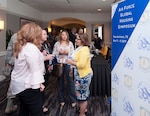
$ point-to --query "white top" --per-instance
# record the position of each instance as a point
(28, 69)
(72, 55)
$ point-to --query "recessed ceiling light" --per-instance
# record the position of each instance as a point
(103, 0)
(99, 9)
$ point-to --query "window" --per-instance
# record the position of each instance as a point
(98, 29)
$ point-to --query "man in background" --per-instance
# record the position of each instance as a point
(9, 60)
(80, 31)
(97, 42)
(72, 35)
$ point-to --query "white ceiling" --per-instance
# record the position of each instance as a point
(69, 6)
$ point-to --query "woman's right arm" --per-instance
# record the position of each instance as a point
(49, 57)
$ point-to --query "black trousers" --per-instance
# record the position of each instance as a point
(31, 103)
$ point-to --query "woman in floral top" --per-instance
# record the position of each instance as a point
(62, 49)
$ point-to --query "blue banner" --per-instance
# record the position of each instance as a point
(124, 20)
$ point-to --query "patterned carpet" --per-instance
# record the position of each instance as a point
(97, 106)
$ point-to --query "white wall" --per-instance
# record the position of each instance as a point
(87, 17)
(3, 4)
(107, 33)
(17, 7)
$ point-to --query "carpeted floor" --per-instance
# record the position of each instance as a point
(97, 106)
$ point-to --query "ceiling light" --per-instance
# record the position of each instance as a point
(103, 0)
(99, 9)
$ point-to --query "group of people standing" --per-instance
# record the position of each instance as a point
(32, 64)
(100, 45)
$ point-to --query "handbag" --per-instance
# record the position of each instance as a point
(6, 70)
(57, 70)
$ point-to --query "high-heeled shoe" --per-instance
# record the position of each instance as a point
(45, 110)
(11, 109)
(62, 103)
(74, 104)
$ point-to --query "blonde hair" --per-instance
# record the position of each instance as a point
(29, 32)
(60, 40)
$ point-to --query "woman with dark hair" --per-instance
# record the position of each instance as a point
(27, 75)
(81, 61)
(46, 50)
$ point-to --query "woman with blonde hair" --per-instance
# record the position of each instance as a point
(62, 49)
(27, 75)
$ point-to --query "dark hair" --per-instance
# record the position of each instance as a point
(102, 42)
(84, 39)
(46, 29)
(96, 35)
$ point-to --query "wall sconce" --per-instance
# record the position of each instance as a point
(49, 29)
(84, 30)
(1, 25)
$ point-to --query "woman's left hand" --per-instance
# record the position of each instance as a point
(71, 72)
(69, 61)
(44, 52)
(66, 52)
(42, 87)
